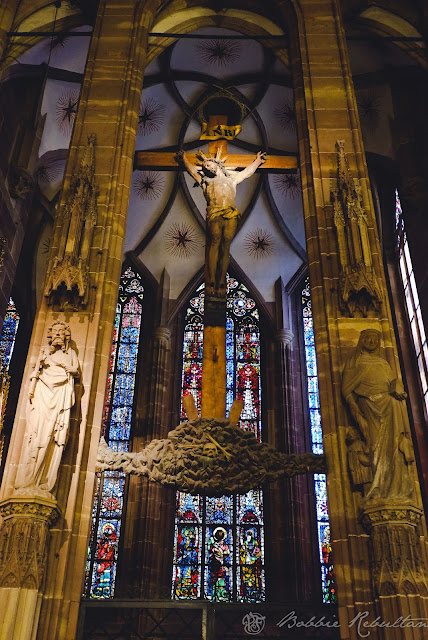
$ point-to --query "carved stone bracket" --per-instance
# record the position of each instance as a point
(68, 275)
(210, 457)
(395, 550)
(23, 540)
(21, 183)
(359, 287)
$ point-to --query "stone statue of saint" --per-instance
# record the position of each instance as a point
(219, 186)
(379, 449)
(51, 398)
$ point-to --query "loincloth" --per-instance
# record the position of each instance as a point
(227, 213)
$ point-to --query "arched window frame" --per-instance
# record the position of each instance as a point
(7, 344)
(240, 517)
(324, 551)
(411, 297)
(108, 508)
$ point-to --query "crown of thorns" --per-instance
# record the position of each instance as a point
(218, 159)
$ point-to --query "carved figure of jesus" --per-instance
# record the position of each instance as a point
(218, 184)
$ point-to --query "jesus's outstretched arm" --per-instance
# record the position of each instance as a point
(190, 168)
(240, 176)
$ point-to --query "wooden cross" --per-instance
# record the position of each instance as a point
(166, 161)
(214, 351)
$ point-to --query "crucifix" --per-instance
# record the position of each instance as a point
(217, 175)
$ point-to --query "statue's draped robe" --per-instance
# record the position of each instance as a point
(48, 419)
(368, 379)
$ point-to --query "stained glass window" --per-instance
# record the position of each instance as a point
(8, 335)
(108, 505)
(7, 343)
(219, 542)
(323, 522)
(412, 299)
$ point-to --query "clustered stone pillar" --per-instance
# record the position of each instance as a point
(82, 294)
(159, 500)
(23, 553)
(283, 492)
(146, 553)
(159, 382)
(349, 296)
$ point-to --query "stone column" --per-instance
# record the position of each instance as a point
(23, 553)
(283, 340)
(281, 494)
(146, 563)
(326, 112)
(156, 575)
(158, 401)
(107, 120)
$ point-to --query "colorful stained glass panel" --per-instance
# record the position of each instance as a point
(186, 562)
(250, 573)
(8, 335)
(219, 510)
(109, 496)
(320, 480)
(218, 564)
(104, 566)
(219, 574)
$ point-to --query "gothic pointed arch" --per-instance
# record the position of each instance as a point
(219, 542)
(109, 508)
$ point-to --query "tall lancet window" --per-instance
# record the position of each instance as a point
(219, 542)
(320, 480)
(412, 299)
(7, 343)
(108, 505)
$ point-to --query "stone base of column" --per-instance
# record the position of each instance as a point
(23, 553)
(399, 579)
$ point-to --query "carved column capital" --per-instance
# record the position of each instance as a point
(23, 540)
(390, 514)
(30, 506)
(284, 337)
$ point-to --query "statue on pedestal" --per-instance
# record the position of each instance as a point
(379, 449)
(219, 186)
(51, 397)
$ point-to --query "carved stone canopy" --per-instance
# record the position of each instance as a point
(209, 457)
(67, 282)
(360, 292)
(21, 183)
